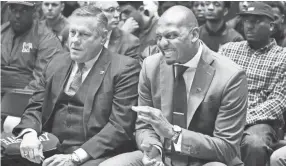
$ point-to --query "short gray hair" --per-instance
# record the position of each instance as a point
(92, 11)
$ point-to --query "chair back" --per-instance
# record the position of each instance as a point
(14, 102)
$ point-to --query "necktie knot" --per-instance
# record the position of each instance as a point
(80, 67)
(180, 70)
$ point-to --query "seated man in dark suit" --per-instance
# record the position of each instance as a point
(118, 40)
(87, 102)
(192, 101)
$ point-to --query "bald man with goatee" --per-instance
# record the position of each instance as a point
(192, 101)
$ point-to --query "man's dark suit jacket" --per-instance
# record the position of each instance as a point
(216, 110)
(124, 43)
(107, 116)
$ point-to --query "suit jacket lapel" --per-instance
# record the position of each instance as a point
(115, 40)
(57, 86)
(201, 82)
(97, 74)
(60, 78)
(166, 86)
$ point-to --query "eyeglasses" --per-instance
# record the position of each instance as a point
(112, 10)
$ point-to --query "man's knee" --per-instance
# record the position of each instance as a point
(254, 143)
(125, 159)
(214, 164)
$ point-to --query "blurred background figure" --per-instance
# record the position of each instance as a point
(118, 41)
(279, 14)
(151, 8)
(198, 7)
(236, 23)
(138, 23)
(70, 6)
(53, 17)
(26, 47)
(215, 32)
(83, 3)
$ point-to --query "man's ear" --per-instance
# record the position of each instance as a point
(104, 37)
(195, 34)
(63, 6)
(272, 26)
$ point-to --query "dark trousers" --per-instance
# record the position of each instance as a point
(256, 144)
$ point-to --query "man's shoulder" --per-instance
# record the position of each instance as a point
(233, 33)
(224, 64)
(119, 60)
(235, 46)
(5, 26)
(128, 37)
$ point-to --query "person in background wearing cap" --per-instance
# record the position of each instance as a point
(236, 22)
(26, 47)
(54, 19)
(214, 32)
(265, 65)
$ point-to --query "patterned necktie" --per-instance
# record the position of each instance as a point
(179, 110)
(76, 82)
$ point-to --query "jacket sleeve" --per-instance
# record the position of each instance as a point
(145, 132)
(121, 123)
(32, 117)
(224, 145)
(133, 51)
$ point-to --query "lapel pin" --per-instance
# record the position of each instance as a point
(199, 89)
(101, 72)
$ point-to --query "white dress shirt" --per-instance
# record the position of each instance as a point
(107, 39)
(86, 69)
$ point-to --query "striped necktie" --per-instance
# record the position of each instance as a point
(77, 80)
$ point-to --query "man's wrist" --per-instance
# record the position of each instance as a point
(75, 159)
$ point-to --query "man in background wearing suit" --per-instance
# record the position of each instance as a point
(192, 101)
(118, 40)
(87, 102)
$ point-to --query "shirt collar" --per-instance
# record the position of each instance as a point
(88, 65)
(271, 44)
(193, 63)
(219, 32)
(107, 39)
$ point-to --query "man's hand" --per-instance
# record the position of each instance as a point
(130, 25)
(152, 156)
(31, 148)
(59, 160)
(155, 118)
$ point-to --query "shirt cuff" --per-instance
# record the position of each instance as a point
(25, 131)
(159, 148)
(82, 155)
(178, 145)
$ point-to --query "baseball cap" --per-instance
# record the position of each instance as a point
(259, 9)
(26, 3)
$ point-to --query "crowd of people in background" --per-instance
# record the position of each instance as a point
(106, 69)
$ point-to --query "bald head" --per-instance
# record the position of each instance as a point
(180, 16)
